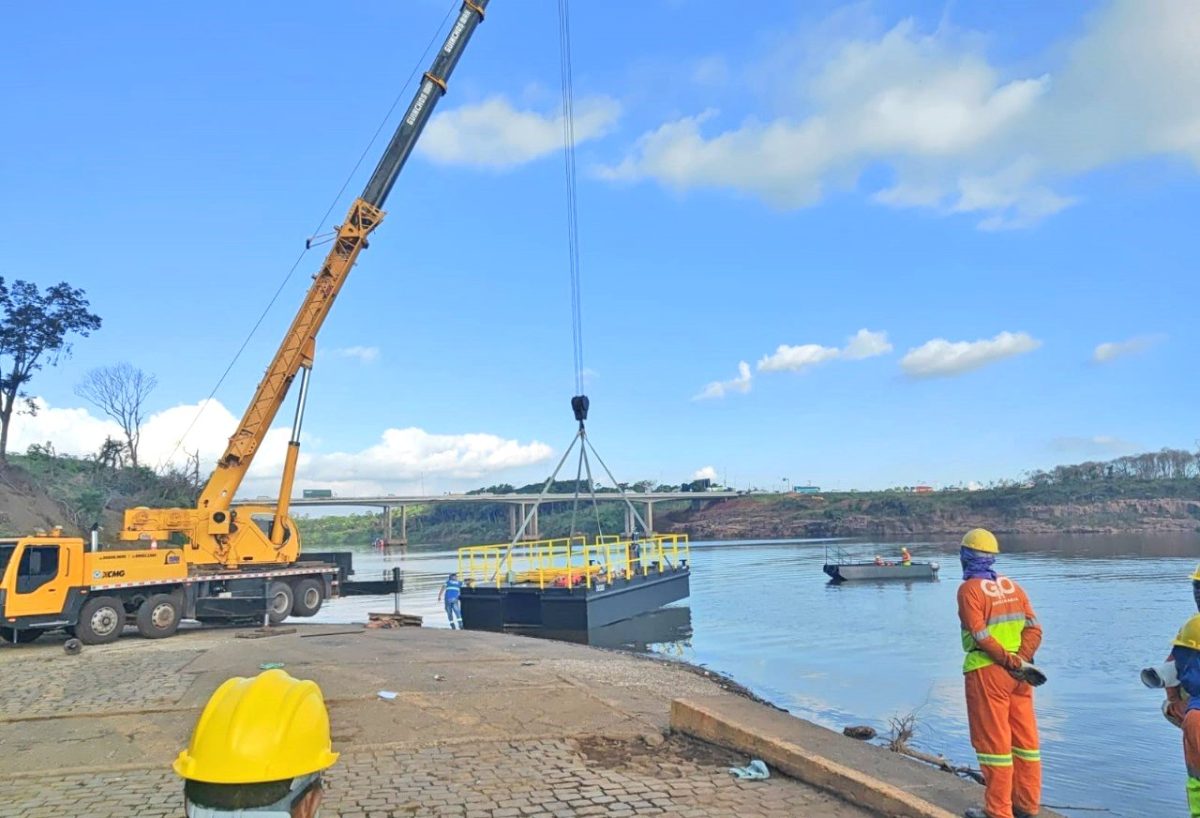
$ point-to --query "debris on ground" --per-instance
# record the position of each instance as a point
(903, 729)
(756, 770)
(394, 620)
(262, 633)
(388, 694)
(270, 665)
(862, 732)
(72, 647)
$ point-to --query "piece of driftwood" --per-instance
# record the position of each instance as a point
(903, 728)
(394, 620)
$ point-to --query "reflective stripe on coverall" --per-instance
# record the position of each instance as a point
(998, 620)
(1191, 756)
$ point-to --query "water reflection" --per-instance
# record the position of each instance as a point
(667, 631)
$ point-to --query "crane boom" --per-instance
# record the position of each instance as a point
(211, 527)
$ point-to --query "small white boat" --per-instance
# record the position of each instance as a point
(851, 571)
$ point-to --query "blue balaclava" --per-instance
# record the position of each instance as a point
(976, 564)
(1187, 667)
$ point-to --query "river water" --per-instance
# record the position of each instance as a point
(862, 653)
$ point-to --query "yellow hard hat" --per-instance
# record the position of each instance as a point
(980, 539)
(267, 728)
(1196, 574)
(1189, 634)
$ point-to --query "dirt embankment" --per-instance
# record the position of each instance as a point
(751, 518)
(24, 508)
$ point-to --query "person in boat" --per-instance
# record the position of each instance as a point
(1000, 635)
(905, 557)
(878, 560)
(450, 593)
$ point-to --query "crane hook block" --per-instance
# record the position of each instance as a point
(580, 404)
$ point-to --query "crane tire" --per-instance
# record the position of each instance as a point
(101, 621)
(20, 637)
(280, 600)
(158, 616)
(309, 594)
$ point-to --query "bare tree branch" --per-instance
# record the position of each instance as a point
(120, 392)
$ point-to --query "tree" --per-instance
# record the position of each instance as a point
(34, 327)
(120, 392)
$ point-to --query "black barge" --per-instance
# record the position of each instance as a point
(569, 584)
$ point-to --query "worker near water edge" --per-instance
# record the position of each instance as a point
(1178, 697)
(450, 594)
(1186, 654)
(259, 750)
(905, 557)
(1000, 635)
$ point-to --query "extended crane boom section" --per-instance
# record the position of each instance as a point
(212, 529)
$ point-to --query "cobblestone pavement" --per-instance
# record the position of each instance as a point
(482, 725)
(520, 779)
(47, 686)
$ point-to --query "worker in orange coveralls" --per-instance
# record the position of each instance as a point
(1186, 655)
(1000, 635)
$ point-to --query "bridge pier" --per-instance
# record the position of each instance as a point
(647, 518)
(515, 520)
(389, 538)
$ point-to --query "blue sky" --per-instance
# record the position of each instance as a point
(991, 193)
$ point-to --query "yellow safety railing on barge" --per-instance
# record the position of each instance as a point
(571, 561)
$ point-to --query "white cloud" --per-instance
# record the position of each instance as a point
(705, 473)
(1094, 446)
(401, 454)
(863, 344)
(364, 355)
(719, 389)
(1111, 350)
(959, 133)
(866, 344)
(942, 358)
(787, 358)
(494, 134)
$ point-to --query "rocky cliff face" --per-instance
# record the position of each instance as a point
(750, 518)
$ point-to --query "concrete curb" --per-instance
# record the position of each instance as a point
(705, 721)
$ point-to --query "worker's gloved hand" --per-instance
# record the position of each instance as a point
(1028, 674)
(1012, 662)
(1175, 710)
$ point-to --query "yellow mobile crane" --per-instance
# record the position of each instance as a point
(214, 561)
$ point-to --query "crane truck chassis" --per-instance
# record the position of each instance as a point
(49, 582)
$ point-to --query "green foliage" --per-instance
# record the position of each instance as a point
(89, 489)
(34, 328)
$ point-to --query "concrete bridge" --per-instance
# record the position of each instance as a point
(518, 506)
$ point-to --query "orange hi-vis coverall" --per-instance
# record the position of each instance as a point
(999, 629)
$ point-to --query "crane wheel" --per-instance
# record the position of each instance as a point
(158, 617)
(22, 637)
(101, 621)
(279, 602)
(309, 596)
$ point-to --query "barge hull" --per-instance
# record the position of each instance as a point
(571, 609)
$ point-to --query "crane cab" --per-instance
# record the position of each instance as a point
(41, 583)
